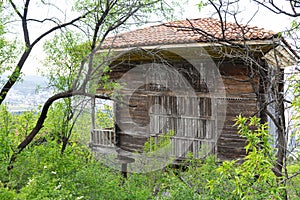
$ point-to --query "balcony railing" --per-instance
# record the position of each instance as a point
(103, 138)
(180, 145)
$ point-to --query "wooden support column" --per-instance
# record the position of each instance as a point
(124, 160)
(93, 112)
(93, 103)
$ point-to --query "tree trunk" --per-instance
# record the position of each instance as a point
(39, 125)
(65, 141)
(15, 75)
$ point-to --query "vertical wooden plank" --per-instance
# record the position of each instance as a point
(115, 137)
(208, 129)
(151, 124)
(97, 136)
(178, 105)
(187, 128)
(166, 125)
(184, 127)
(156, 124)
(194, 143)
(216, 137)
(110, 138)
(175, 105)
(150, 105)
(198, 107)
(209, 107)
(188, 106)
(191, 134)
(183, 148)
(93, 103)
(201, 107)
(159, 103)
(93, 119)
(205, 107)
(105, 137)
(101, 137)
(173, 147)
(160, 122)
(169, 123)
(178, 126)
(92, 137)
(103, 133)
(204, 128)
(195, 107)
(197, 128)
(95, 141)
(201, 129)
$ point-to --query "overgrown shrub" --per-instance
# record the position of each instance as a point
(42, 172)
(254, 178)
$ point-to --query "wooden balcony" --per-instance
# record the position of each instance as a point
(103, 138)
(181, 146)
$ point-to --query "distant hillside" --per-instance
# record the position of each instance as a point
(24, 94)
(29, 84)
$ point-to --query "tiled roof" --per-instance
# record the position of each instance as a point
(180, 32)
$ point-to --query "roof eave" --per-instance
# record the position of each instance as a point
(187, 45)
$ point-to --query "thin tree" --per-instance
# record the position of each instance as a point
(269, 74)
(97, 21)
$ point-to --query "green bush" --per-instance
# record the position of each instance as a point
(293, 184)
(254, 178)
(42, 172)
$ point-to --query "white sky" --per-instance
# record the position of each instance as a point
(263, 18)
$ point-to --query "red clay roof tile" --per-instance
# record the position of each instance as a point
(181, 32)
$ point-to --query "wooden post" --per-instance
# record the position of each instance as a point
(124, 160)
(93, 112)
(92, 117)
(124, 170)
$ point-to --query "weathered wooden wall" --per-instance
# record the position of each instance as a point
(240, 100)
(133, 127)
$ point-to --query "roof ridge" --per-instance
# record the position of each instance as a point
(218, 20)
(177, 32)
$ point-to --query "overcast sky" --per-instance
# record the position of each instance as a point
(263, 18)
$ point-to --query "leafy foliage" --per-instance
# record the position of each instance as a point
(65, 53)
(8, 47)
(105, 117)
(42, 172)
(158, 142)
(254, 178)
(293, 183)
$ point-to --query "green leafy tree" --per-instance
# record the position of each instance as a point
(105, 117)
(272, 108)
(97, 19)
(254, 178)
(65, 53)
(7, 46)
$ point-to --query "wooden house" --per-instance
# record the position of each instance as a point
(183, 83)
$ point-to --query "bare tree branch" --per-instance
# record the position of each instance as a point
(273, 7)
